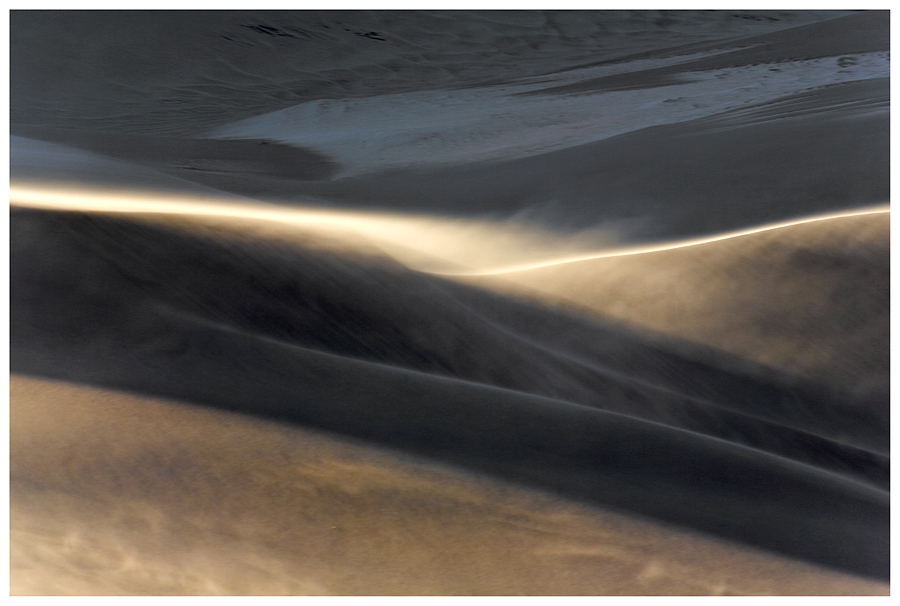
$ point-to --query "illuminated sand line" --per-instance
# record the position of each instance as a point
(405, 230)
(424, 243)
(640, 250)
(131, 202)
(400, 230)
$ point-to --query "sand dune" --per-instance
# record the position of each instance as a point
(645, 184)
(541, 302)
(811, 299)
(324, 340)
(213, 68)
(316, 514)
(34, 160)
(458, 127)
(441, 127)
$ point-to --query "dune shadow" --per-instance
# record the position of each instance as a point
(364, 347)
(195, 159)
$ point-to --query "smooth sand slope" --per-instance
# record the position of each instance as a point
(365, 347)
(737, 390)
(807, 134)
(211, 68)
(130, 495)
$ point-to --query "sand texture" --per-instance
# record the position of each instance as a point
(450, 302)
(138, 496)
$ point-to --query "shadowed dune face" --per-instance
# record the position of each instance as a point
(363, 346)
(815, 99)
(209, 68)
(128, 495)
(309, 288)
(310, 218)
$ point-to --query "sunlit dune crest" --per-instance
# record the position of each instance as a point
(439, 245)
(449, 302)
(639, 250)
(421, 242)
(811, 298)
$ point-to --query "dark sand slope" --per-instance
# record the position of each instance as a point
(180, 157)
(182, 72)
(330, 342)
(128, 495)
(863, 32)
(38, 161)
(737, 388)
(651, 183)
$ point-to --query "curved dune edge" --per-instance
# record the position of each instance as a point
(421, 242)
(289, 511)
(656, 248)
(776, 294)
(811, 296)
(440, 245)
(131, 335)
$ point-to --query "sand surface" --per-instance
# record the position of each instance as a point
(811, 299)
(371, 262)
(131, 495)
(210, 68)
(353, 342)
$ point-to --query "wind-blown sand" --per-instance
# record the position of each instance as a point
(129, 495)
(363, 346)
(297, 228)
(811, 299)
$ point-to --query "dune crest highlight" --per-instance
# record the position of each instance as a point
(431, 244)
(450, 302)
(652, 248)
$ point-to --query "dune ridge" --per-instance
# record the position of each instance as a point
(498, 302)
(811, 298)
(322, 356)
(431, 237)
(640, 250)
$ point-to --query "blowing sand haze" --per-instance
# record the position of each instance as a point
(449, 302)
